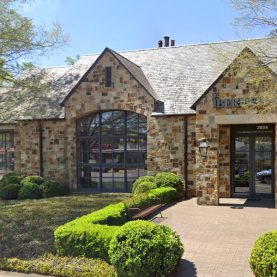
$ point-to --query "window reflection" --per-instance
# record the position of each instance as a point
(113, 144)
(6, 152)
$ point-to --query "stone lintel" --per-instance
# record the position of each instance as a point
(245, 119)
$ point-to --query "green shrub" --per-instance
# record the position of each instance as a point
(60, 266)
(11, 178)
(30, 191)
(9, 191)
(142, 179)
(167, 195)
(168, 179)
(35, 179)
(142, 248)
(263, 259)
(139, 201)
(53, 188)
(144, 187)
(90, 235)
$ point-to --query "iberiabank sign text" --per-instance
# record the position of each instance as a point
(232, 102)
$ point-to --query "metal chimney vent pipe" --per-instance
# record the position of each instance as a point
(166, 41)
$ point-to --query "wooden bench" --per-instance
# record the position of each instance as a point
(141, 213)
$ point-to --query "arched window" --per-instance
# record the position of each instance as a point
(111, 149)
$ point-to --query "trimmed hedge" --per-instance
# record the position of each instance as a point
(11, 178)
(142, 248)
(142, 179)
(167, 195)
(60, 266)
(53, 188)
(9, 191)
(168, 179)
(263, 259)
(13, 186)
(35, 179)
(89, 235)
(144, 187)
(30, 191)
(139, 201)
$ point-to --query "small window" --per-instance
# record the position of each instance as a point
(108, 76)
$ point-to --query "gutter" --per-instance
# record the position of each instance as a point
(41, 166)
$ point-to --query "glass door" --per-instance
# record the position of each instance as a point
(263, 166)
(241, 169)
(252, 164)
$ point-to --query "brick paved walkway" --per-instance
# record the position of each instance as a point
(218, 240)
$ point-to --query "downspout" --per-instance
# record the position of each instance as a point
(186, 155)
(40, 130)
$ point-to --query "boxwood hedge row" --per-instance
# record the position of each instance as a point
(90, 235)
(15, 186)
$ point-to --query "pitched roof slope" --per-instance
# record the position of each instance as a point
(137, 73)
(178, 76)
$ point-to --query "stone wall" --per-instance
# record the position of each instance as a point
(27, 148)
(165, 144)
(224, 151)
(213, 172)
(166, 147)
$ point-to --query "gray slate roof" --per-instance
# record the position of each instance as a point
(178, 76)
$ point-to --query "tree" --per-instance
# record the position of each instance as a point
(71, 61)
(256, 14)
(22, 40)
(253, 14)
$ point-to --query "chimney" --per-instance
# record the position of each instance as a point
(160, 43)
(172, 43)
(166, 41)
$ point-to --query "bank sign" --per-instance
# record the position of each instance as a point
(232, 102)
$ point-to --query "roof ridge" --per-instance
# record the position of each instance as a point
(184, 45)
(55, 66)
(123, 57)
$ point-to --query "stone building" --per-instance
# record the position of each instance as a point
(112, 117)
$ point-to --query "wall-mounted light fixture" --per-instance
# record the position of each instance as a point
(203, 148)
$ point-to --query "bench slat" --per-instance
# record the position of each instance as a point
(147, 211)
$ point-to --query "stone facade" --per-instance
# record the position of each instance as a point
(165, 136)
(165, 144)
(92, 95)
(172, 140)
(213, 172)
(27, 148)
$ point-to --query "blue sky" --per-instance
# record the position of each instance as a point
(134, 24)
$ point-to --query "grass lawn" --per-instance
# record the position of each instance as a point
(26, 226)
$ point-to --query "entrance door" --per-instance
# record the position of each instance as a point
(253, 160)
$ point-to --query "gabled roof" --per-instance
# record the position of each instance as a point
(242, 55)
(132, 68)
(178, 76)
(136, 72)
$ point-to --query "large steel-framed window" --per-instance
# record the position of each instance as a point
(112, 150)
(6, 152)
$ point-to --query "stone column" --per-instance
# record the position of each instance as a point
(207, 167)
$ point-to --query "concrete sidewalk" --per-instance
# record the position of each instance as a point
(218, 239)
